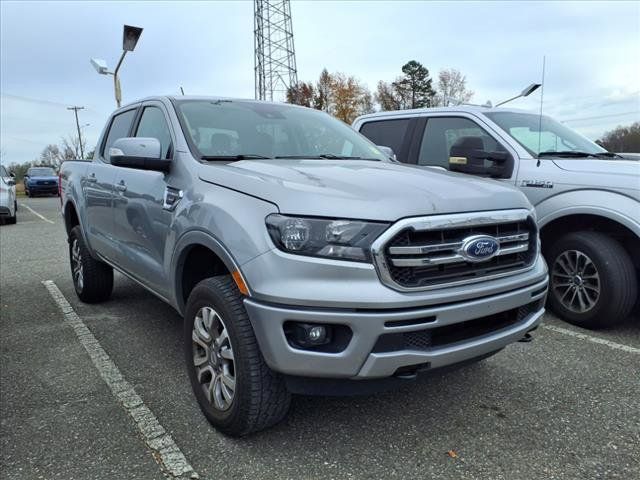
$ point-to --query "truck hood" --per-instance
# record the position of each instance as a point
(602, 173)
(361, 189)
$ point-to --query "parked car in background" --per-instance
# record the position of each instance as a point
(302, 259)
(587, 199)
(8, 203)
(40, 181)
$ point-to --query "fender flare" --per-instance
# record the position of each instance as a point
(183, 245)
(613, 206)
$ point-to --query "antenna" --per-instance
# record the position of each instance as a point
(182, 90)
(544, 58)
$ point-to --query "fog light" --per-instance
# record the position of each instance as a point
(307, 335)
(317, 334)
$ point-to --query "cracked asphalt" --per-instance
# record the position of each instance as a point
(560, 407)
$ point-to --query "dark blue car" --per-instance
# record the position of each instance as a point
(40, 180)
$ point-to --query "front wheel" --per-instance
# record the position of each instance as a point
(593, 282)
(92, 279)
(236, 390)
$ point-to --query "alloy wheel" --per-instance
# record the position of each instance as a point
(76, 265)
(213, 358)
(575, 281)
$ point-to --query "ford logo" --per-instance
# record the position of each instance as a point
(479, 248)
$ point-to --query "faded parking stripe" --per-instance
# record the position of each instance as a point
(601, 341)
(35, 213)
(163, 448)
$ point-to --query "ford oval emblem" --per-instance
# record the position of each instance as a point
(479, 248)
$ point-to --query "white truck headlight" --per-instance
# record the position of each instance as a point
(320, 237)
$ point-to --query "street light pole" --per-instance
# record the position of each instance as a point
(116, 80)
(75, 111)
(130, 37)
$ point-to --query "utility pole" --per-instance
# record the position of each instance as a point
(75, 110)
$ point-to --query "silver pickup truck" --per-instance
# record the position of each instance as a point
(587, 199)
(302, 259)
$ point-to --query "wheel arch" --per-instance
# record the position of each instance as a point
(601, 220)
(199, 255)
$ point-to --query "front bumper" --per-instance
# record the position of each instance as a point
(359, 360)
(35, 189)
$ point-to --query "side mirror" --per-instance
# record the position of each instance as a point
(141, 153)
(473, 162)
(11, 182)
(388, 151)
(11, 174)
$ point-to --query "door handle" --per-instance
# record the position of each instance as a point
(92, 178)
(121, 186)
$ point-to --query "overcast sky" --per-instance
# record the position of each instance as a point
(592, 50)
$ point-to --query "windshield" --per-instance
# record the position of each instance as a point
(221, 129)
(546, 136)
(41, 172)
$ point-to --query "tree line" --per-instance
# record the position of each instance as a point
(345, 97)
(53, 155)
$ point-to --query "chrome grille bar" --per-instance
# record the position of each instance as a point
(437, 247)
(456, 258)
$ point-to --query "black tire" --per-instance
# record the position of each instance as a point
(95, 282)
(260, 398)
(617, 281)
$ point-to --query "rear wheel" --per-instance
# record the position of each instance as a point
(593, 282)
(92, 279)
(235, 388)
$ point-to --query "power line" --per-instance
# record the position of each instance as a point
(602, 116)
(75, 111)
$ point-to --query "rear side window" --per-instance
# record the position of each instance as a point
(154, 125)
(387, 133)
(120, 126)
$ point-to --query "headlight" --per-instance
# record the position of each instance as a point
(341, 239)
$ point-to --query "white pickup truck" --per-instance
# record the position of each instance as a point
(587, 199)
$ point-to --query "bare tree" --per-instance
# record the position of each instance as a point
(301, 94)
(387, 97)
(51, 156)
(71, 148)
(350, 98)
(452, 87)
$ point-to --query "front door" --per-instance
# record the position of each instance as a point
(99, 193)
(141, 220)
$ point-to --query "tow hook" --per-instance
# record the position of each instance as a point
(527, 338)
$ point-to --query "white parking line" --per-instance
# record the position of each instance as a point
(35, 213)
(163, 448)
(601, 341)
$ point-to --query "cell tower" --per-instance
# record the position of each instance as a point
(275, 55)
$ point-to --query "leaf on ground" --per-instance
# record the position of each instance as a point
(452, 454)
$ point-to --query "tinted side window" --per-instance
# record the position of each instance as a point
(3, 171)
(449, 138)
(387, 133)
(120, 126)
(153, 124)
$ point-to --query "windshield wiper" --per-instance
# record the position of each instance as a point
(245, 156)
(568, 153)
(327, 156)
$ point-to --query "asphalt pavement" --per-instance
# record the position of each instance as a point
(565, 406)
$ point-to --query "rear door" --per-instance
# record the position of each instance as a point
(98, 189)
(141, 219)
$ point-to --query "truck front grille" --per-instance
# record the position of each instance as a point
(428, 252)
